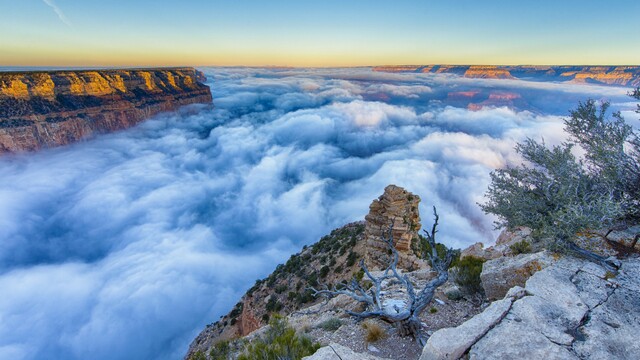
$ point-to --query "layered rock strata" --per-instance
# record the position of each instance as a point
(396, 209)
(43, 109)
(603, 75)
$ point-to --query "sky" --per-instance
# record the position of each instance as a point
(126, 245)
(317, 33)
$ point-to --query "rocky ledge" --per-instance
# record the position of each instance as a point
(42, 109)
(533, 304)
(572, 309)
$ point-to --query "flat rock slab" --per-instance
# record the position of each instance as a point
(452, 343)
(335, 351)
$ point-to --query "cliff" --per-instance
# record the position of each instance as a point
(537, 302)
(602, 75)
(44, 109)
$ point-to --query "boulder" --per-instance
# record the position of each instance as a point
(501, 274)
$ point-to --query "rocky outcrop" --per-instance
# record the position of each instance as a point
(503, 244)
(603, 75)
(572, 309)
(398, 208)
(50, 108)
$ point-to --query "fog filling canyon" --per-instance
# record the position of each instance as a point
(127, 245)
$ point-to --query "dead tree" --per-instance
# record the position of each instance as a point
(406, 318)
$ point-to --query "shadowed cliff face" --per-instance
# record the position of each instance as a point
(46, 109)
(603, 75)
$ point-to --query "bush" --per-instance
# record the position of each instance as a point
(351, 258)
(332, 324)
(558, 195)
(279, 342)
(220, 351)
(273, 305)
(521, 247)
(433, 310)
(467, 274)
(324, 271)
(373, 331)
(198, 356)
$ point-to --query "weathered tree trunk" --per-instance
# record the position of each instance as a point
(590, 256)
(412, 327)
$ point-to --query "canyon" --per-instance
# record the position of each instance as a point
(43, 109)
(601, 75)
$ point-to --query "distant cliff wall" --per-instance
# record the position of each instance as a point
(603, 75)
(51, 108)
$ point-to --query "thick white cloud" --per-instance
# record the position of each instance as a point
(125, 246)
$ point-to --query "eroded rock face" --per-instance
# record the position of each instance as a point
(51, 108)
(397, 207)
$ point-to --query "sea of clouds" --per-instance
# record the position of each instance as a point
(125, 246)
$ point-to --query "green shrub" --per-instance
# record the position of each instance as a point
(332, 324)
(273, 305)
(198, 356)
(467, 274)
(351, 258)
(324, 271)
(279, 342)
(433, 310)
(220, 351)
(521, 247)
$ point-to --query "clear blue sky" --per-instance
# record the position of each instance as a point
(318, 32)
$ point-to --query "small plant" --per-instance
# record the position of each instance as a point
(198, 356)
(433, 310)
(467, 274)
(351, 258)
(324, 271)
(273, 305)
(373, 331)
(609, 275)
(280, 341)
(220, 351)
(521, 247)
(332, 324)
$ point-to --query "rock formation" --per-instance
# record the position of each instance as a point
(603, 75)
(50, 108)
(501, 274)
(399, 208)
(572, 309)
